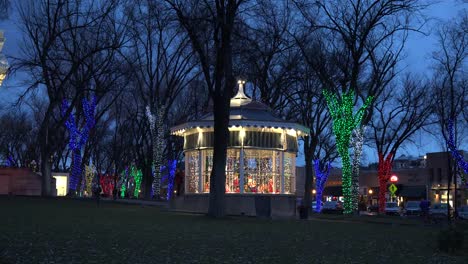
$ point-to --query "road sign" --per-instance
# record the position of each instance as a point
(392, 189)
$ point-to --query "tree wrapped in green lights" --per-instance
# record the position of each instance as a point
(344, 122)
(136, 175)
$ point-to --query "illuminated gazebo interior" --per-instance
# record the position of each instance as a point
(261, 155)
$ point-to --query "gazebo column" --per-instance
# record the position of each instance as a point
(241, 170)
(200, 170)
(274, 172)
(282, 171)
(186, 176)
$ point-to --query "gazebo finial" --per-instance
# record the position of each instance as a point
(240, 98)
(241, 88)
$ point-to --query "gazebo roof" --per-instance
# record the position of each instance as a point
(244, 113)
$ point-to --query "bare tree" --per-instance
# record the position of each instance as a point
(162, 66)
(16, 139)
(308, 107)
(210, 25)
(450, 85)
(359, 43)
(398, 114)
(61, 39)
(268, 57)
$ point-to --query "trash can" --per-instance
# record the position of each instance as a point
(263, 206)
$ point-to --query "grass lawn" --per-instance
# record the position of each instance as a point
(34, 230)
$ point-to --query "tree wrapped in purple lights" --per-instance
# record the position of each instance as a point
(321, 178)
(455, 153)
(78, 138)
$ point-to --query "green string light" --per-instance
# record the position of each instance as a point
(137, 175)
(344, 121)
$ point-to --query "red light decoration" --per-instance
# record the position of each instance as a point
(394, 178)
(107, 184)
(384, 167)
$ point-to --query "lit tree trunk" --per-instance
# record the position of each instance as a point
(321, 179)
(157, 133)
(170, 178)
(462, 163)
(75, 172)
(356, 143)
(384, 170)
(78, 138)
(344, 121)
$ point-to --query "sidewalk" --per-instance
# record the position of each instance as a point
(372, 219)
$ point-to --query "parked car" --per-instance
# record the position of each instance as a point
(439, 210)
(373, 208)
(392, 208)
(332, 207)
(314, 206)
(412, 208)
(463, 212)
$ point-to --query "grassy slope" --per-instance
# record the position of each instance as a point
(67, 231)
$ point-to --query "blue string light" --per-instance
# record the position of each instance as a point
(455, 153)
(170, 180)
(320, 180)
(78, 138)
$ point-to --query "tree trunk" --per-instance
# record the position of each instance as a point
(384, 169)
(346, 180)
(45, 155)
(75, 176)
(147, 181)
(218, 173)
(449, 183)
(308, 175)
(46, 173)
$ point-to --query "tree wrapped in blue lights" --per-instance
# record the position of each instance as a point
(344, 122)
(321, 178)
(462, 163)
(170, 178)
(78, 138)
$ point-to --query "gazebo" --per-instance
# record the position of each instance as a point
(261, 155)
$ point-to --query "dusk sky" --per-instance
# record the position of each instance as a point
(418, 60)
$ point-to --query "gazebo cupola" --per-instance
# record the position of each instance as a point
(261, 155)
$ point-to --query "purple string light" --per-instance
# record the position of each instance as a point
(320, 180)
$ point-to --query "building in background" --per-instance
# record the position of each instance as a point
(440, 166)
(61, 182)
(21, 181)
